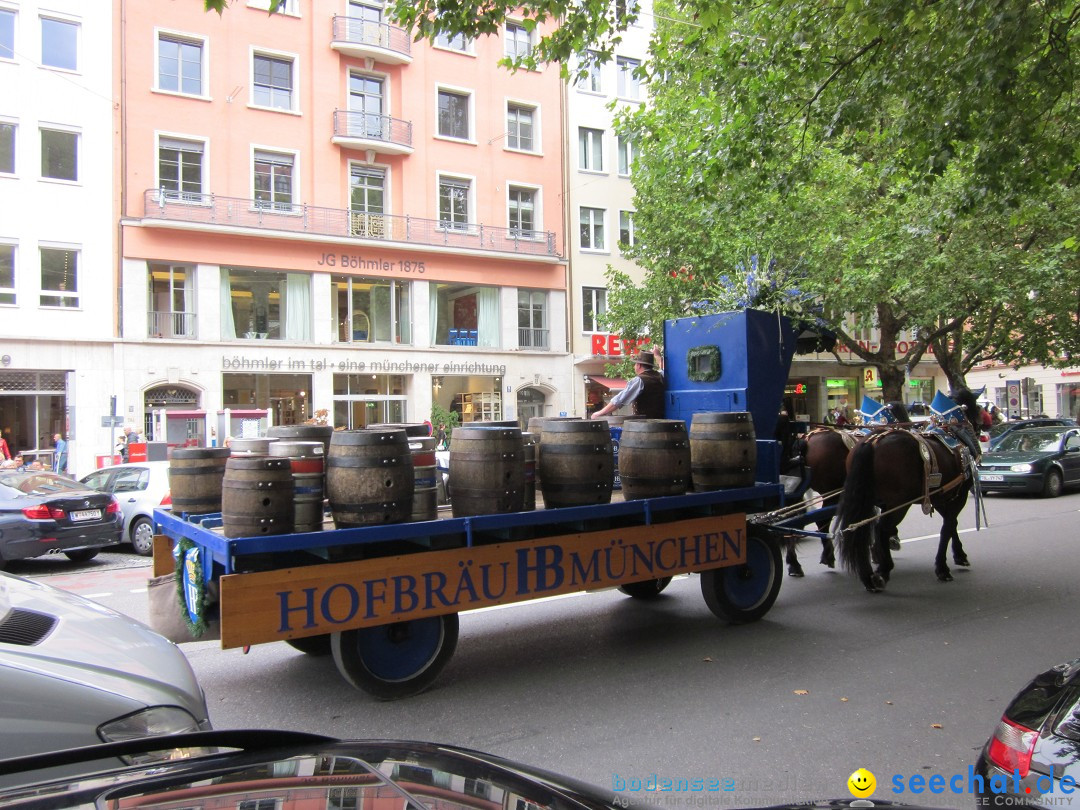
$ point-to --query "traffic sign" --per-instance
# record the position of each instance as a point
(112, 421)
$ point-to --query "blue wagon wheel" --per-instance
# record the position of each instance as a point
(744, 593)
(397, 660)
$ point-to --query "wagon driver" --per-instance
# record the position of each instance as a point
(645, 392)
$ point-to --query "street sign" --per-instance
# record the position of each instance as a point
(112, 421)
(1012, 389)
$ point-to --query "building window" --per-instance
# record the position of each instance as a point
(367, 201)
(522, 212)
(592, 228)
(457, 42)
(7, 148)
(519, 127)
(59, 44)
(273, 180)
(7, 34)
(59, 277)
(592, 81)
(518, 40)
(590, 149)
(623, 9)
(180, 169)
(454, 202)
(342, 798)
(290, 7)
(626, 229)
(629, 85)
(366, 105)
(171, 306)
(180, 65)
(265, 305)
(532, 319)
(593, 308)
(627, 153)
(7, 274)
(373, 310)
(465, 315)
(257, 804)
(273, 81)
(454, 115)
(364, 399)
(59, 155)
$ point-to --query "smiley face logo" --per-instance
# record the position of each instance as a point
(861, 783)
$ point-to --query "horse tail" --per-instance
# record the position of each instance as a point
(857, 506)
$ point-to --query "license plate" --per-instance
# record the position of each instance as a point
(991, 477)
(86, 514)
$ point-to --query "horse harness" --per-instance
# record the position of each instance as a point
(931, 470)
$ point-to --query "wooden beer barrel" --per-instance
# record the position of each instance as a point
(257, 496)
(615, 424)
(654, 458)
(195, 475)
(536, 427)
(308, 466)
(369, 477)
(413, 430)
(529, 442)
(425, 504)
(487, 470)
(575, 464)
(255, 446)
(303, 433)
(723, 450)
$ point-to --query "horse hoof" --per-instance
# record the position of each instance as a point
(962, 561)
(894, 543)
(876, 584)
(828, 560)
(944, 576)
(795, 572)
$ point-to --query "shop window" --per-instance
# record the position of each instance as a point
(265, 305)
(373, 310)
(369, 399)
(465, 315)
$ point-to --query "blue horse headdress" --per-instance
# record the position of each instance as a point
(945, 410)
(876, 413)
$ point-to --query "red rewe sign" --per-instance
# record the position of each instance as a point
(612, 345)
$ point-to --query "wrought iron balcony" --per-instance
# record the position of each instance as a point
(530, 338)
(373, 40)
(212, 212)
(380, 133)
(171, 324)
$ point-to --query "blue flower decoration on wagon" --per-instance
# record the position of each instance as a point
(945, 411)
(875, 413)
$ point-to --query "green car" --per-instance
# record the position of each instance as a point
(1042, 460)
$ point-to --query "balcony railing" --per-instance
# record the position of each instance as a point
(213, 211)
(171, 324)
(378, 40)
(382, 133)
(529, 338)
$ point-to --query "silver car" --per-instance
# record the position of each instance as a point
(140, 488)
(74, 673)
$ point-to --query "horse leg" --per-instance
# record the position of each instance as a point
(958, 555)
(883, 531)
(941, 567)
(828, 555)
(792, 559)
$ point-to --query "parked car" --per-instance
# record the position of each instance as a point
(1045, 460)
(139, 487)
(1035, 750)
(75, 673)
(1003, 429)
(48, 513)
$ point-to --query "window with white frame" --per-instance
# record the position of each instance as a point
(7, 147)
(626, 229)
(59, 44)
(592, 81)
(7, 33)
(59, 154)
(454, 114)
(180, 64)
(342, 798)
(457, 42)
(520, 127)
(591, 221)
(628, 85)
(625, 8)
(590, 149)
(274, 180)
(454, 193)
(181, 169)
(272, 82)
(59, 277)
(171, 304)
(367, 202)
(518, 40)
(532, 319)
(593, 308)
(521, 211)
(290, 7)
(7, 273)
(265, 304)
(257, 804)
(372, 310)
(627, 153)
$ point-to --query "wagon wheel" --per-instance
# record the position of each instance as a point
(311, 645)
(744, 593)
(649, 589)
(397, 660)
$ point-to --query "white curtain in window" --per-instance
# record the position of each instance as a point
(228, 325)
(298, 306)
(487, 316)
(433, 314)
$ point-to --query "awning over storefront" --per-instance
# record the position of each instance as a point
(608, 382)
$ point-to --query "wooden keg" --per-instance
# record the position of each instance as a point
(654, 458)
(723, 450)
(255, 446)
(308, 466)
(413, 430)
(257, 495)
(536, 427)
(425, 504)
(615, 425)
(303, 433)
(576, 466)
(369, 477)
(529, 442)
(487, 470)
(195, 476)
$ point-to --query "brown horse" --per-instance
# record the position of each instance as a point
(893, 471)
(826, 460)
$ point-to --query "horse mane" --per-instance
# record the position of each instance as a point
(899, 411)
(970, 403)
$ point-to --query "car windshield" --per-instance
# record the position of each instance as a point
(1031, 441)
(39, 483)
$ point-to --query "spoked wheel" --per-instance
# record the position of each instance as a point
(311, 645)
(396, 660)
(744, 593)
(649, 589)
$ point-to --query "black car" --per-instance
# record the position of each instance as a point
(1044, 460)
(1003, 429)
(1033, 757)
(46, 513)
